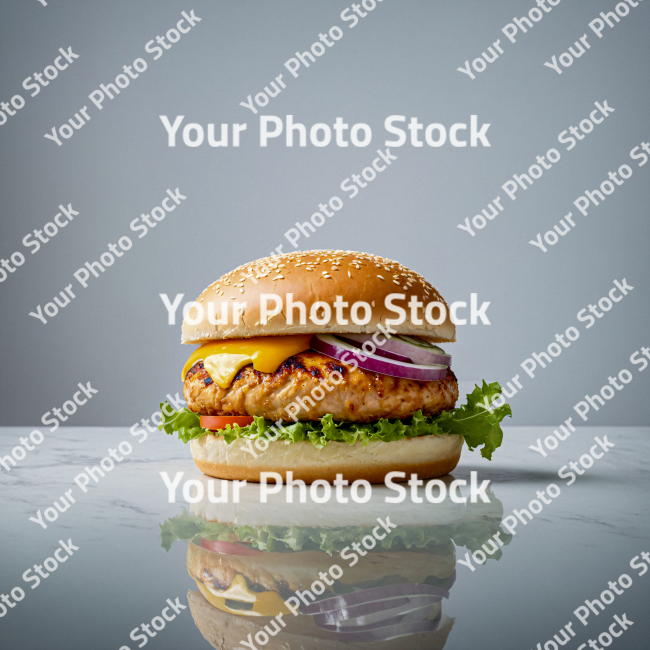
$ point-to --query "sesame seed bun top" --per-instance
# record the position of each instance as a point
(311, 277)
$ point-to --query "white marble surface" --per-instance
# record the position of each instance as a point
(121, 577)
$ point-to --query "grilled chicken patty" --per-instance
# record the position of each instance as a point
(319, 385)
(287, 572)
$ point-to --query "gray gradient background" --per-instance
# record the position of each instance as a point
(401, 59)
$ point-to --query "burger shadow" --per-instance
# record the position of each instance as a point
(525, 476)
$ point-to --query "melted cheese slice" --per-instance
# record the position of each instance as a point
(266, 603)
(223, 367)
(222, 359)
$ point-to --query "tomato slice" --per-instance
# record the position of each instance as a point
(228, 548)
(218, 422)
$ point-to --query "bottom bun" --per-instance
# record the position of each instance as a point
(427, 456)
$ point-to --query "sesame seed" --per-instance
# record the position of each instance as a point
(379, 276)
(349, 274)
(328, 276)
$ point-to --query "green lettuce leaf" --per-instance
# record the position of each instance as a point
(477, 421)
(184, 422)
(470, 533)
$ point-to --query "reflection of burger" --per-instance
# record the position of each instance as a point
(327, 573)
(328, 362)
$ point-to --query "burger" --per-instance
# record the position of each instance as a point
(290, 577)
(326, 363)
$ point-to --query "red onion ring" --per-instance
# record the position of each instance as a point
(393, 606)
(376, 594)
(378, 351)
(411, 617)
(400, 610)
(403, 345)
(343, 351)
